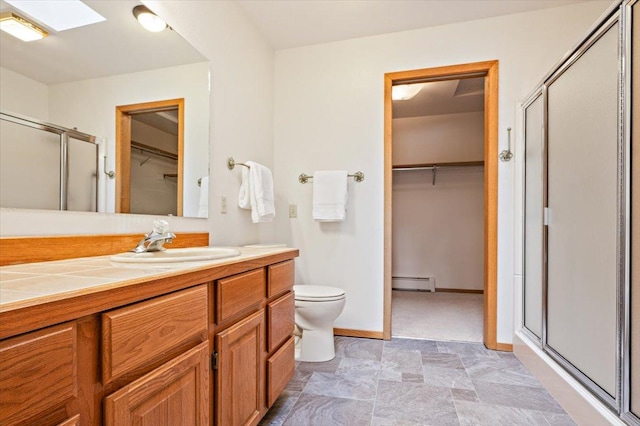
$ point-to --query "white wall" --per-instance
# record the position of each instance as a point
(23, 95)
(439, 138)
(90, 106)
(242, 65)
(241, 123)
(438, 230)
(329, 115)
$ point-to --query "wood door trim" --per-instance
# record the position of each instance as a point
(60, 247)
(123, 149)
(358, 333)
(490, 70)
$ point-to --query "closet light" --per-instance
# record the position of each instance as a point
(21, 28)
(405, 92)
(149, 20)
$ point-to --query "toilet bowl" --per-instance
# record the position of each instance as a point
(316, 308)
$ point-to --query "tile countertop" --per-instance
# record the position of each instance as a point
(32, 284)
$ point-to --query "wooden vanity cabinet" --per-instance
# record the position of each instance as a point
(177, 394)
(135, 336)
(255, 351)
(38, 375)
(148, 358)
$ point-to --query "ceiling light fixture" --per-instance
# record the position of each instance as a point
(405, 92)
(149, 20)
(21, 28)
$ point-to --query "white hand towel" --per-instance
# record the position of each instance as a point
(244, 202)
(330, 195)
(261, 193)
(203, 205)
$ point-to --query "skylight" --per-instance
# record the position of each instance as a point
(60, 15)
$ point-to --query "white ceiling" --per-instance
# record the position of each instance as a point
(118, 45)
(294, 23)
(443, 97)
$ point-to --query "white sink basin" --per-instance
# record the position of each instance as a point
(193, 254)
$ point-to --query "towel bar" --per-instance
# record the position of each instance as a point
(231, 163)
(357, 176)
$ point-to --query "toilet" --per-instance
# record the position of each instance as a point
(316, 308)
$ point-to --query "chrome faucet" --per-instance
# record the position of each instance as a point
(155, 240)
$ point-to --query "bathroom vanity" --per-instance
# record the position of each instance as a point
(200, 344)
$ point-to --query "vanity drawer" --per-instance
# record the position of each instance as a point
(281, 277)
(38, 372)
(134, 335)
(280, 320)
(280, 369)
(236, 293)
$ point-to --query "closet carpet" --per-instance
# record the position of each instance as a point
(437, 316)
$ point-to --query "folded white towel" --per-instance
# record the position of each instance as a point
(203, 205)
(244, 201)
(261, 195)
(330, 195)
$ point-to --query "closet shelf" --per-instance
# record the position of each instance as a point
(435, 166)
(154, 151)
(431, 165)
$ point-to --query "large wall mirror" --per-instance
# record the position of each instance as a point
(77, 79)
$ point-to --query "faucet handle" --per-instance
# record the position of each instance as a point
(160, 226)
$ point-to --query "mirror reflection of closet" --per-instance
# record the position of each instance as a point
(149, 153)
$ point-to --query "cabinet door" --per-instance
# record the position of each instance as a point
(38, 373)
(175, 394)
(240, 384)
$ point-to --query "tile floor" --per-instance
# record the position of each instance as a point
(437, 316)
(405, 382)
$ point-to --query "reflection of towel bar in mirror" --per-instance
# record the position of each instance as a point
(357, 176)
(231, 163)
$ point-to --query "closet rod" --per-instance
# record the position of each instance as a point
(154, 151)
(434, 167)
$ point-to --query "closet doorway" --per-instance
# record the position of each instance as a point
(463, 80)
(149, 157)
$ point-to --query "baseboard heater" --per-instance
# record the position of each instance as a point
(414, 283)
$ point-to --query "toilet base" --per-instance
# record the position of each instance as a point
(315, 346)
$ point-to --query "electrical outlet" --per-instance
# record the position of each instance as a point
(223, 204)
(293, 210)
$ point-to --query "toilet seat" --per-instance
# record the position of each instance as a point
(318, 293)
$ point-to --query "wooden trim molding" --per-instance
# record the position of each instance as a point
(505, 347)
(17, 250)
(123, 149)
(358, 333)
(488, 69)
(458, 290)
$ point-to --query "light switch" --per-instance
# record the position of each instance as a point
(293, 210)
(223, 204)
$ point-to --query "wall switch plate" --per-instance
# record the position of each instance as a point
(293, 210)
(223, 204)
